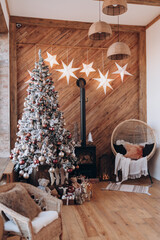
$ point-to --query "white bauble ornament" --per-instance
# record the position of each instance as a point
(68, 151)
(51, 170)
(61, 154)
(32, 149)
(37, 116)
(24, 147)
(25, 104)
(73, 167)
(21, 172)
(41, 158)
(26, 175)
(73, 155)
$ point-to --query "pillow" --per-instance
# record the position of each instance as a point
(120, 149)
(19, 200)
(134, 151)
(147, 149)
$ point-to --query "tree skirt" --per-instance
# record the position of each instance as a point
(127, 188)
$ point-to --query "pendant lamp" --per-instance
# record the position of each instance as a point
(114, 7)
(99, 30)
(118, 51)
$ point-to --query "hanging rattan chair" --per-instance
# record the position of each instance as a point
(136, 132)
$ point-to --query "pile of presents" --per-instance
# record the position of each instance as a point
(78, 191)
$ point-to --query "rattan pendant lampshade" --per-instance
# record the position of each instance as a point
(114, 7)
(99, 31)
(118, 51)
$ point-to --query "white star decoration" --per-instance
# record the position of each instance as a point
(51, 59)
(87, 68)
(122, 71)
(67, 71)
(31, 74)
(104, 81)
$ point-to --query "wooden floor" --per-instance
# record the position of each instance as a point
(112, 215)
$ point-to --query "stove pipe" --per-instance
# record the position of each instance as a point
(81, 84)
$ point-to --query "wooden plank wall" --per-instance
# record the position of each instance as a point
(103, 112)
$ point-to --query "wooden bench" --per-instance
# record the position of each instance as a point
(8, 172)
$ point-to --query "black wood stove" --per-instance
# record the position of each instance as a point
(86, 154)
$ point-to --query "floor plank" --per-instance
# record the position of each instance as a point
(112, 215)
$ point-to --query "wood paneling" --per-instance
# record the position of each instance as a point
(103, 112)
(69, 24)
(153, 21)
(13, 84)
(143, 2)
(3, 25)
(142, 77)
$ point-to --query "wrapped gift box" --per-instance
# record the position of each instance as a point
(68, 199)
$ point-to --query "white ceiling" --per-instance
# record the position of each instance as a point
(80, 10)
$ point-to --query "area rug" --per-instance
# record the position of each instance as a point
(127, 188)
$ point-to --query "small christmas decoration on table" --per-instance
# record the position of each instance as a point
(41, 137)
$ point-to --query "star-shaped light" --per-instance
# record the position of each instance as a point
(104, 81)
(51, 59)
(67, 71)
(87, 68)
(31, 75)
(122, 71)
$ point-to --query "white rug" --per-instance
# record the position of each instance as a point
(127, 188)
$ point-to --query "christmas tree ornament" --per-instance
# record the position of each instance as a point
(21, 172)
(67, 71)
(41, 158)
(52, 170)
(104, 81)
(87, 68)
(26, 175)
(73, 167)
(122, 71)
(61, 154)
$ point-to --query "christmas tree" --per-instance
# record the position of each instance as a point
(42, 138)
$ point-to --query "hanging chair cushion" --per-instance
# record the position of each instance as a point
(133, 151)
(147, 149)
(120, 149)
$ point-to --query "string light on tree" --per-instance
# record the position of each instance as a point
(67, 71)
(104, 81)
(122, 71)
(51, 59)
(87, 68)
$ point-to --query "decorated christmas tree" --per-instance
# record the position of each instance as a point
(42, 138)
